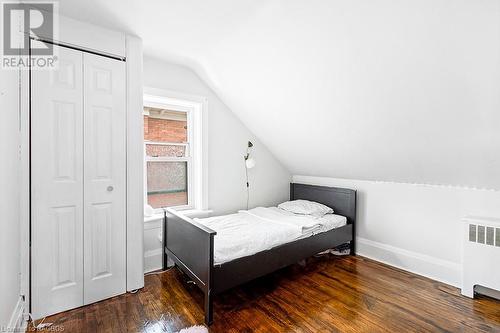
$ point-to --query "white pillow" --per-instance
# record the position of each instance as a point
(305, 207)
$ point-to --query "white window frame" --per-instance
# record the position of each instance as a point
(196, 153)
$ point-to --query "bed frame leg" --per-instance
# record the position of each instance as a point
(352, 248)
(209, 314)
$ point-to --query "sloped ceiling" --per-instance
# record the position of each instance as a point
(391, 90)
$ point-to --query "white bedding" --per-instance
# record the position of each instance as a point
(259, 229)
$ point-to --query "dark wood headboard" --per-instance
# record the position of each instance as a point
(341, 200)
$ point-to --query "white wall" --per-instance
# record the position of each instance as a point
(413, 226)
(227, 140)
(9, 195)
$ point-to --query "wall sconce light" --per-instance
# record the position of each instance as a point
(249, 164)
(249, 161)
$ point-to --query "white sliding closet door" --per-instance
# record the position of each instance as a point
(57, 185)
(78, 179)
(105, 178)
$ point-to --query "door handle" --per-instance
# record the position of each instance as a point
(110, 188)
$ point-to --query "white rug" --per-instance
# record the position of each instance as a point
(194, 329)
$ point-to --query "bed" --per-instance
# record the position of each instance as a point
(189, 243)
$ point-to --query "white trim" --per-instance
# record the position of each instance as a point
(24, 185)
(135, 155)
(490, 221)
(427, 185)
(165, 143)
(157, 102)
(304, 178)
(196, 108)
(434, 268)
(168, 159)
(18, 322)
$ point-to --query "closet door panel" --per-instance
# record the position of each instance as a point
(57, 185)
(104, 178)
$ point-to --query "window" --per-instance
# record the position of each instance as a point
(173, 153)
(168, 157)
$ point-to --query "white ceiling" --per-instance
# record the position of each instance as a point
(393, 90)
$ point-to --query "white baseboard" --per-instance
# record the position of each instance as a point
(437, 269)
(153, 260)
(17, 321)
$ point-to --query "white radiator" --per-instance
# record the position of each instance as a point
(481, 254)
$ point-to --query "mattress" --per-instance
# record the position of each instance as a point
(251, 231)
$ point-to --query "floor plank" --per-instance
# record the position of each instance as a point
(329, 294)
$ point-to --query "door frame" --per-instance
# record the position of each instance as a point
(135, 155)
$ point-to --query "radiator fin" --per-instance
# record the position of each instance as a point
(472, 233)
(484, 235)
(490, 236)
(480, 234)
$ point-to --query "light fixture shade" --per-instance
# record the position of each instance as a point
(250, 162)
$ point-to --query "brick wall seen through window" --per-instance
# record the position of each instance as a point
(167, 180)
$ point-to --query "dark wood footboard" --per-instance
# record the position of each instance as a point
(191, 246)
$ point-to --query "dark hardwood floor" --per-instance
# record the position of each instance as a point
(329, 294)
